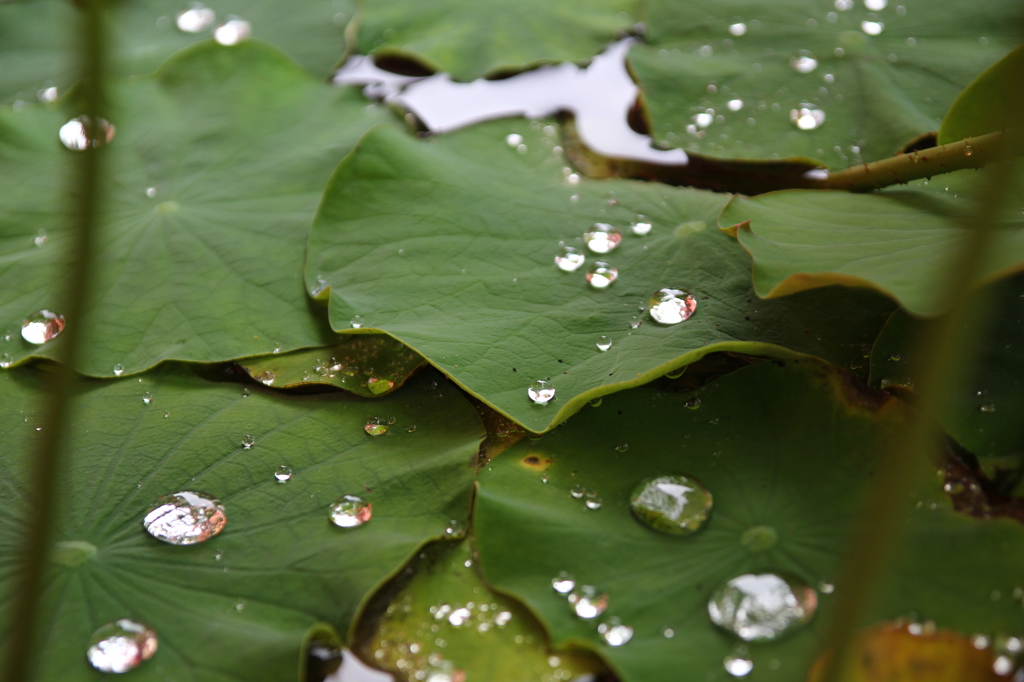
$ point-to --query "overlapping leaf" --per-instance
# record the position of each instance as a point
(449, 244)
(37, 37)
(786, 449)
(234, 144)
(239, 605)
(990, 103)
(472, 38)
(879, 83)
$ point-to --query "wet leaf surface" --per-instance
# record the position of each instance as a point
(369, 365)
(239, 605)
(235, 145)
(785, 451)
(449, 244)
(37, 46)
(880, 77)
(472, 38)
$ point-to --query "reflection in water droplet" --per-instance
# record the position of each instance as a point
(807, 117)
(635, 322)
(410, 428)
(151, 192)
(734, 104)
(47, 95)
(185, 518)
(672, 305)
(41, 237)
(454, 528)
(248, 441)
(602, 238)
(121, 646)
(378, 386)
(232, 32)
(266, 378)
(563, 583)
(513, 140)
(376, 426)
(196, 18)
(872, 28)
(541, 392)
(601, 275)
(737, 29)
(738, 665)
(604, 343)
(762, 607)
(614, 632)
(641, 226)
(587, 602)
(692, 403)
(118, 369)
(569, 259)
(6, 360)
(283, 474)
(678, 505)
(73, 134)
(578, 491)
(804, 64)
(40, 327)
(351, 511)
(357, 322)
(147, 398)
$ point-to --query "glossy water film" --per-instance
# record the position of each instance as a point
(672, 305)
(760, 607)
(678, 505)
(185, 518)
(121, 646)
(350, 511)
(40, 327)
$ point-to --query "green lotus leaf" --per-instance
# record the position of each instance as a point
(901, 241)
(786, 449)
(449, 244)
(37, 37)
(472, 38)
(731, 79)
(439, 618)
(234, 144)
(991, 102)
(279, 567)
(369, 365)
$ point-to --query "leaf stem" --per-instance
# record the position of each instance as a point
(64, 382)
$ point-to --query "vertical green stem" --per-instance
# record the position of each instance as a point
(943, 347)
(47, 462)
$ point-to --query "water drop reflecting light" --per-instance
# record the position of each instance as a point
(185, 518)
(602, 238)
(563, 583)
(614, 632)
(738, 665)
(73, 134)
(601, 275)
(587, 602)
(569, 259)
(541, 392)
(40, 327)
(196, 18)
(121, 646)
(762, 607)
(351, 511)
(283, 474)
(872, 28)
(232, 32)
(677, 505)
(672, 305)
(807, 117)
(604, 343)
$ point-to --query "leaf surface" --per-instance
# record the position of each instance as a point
(991, 102)
(448, 245)
(786, 449)
(238, 606)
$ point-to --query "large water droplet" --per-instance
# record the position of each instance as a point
(601, 275)
(569, 259)
(762, 607)
(283, 474)
(376, 426)
(351, 511)
(807, 117)
(604, 343)
(614, 632)
(678, 505)
(185, 518)
(804, 63)
(121, 646)
(196, 18)
(541, 392)
(563, 583)
(672, 305)
(232, 31)
(587, 602)
(602, 238)
(73, 134)
(42, 326)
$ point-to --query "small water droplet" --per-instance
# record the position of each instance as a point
(376, 426)
(604, 343)
(635, 322)
(195, 18)
(692, 403)
(734, 104)
(410, 428)
(587, 602)
(266, 378)
(569, 259)
(121, 646)
(826, 587)
(602, 238)
(563, 583)
(672, 305)
(513, 140)
(357, 322)
(668, 633)
(455, 528)
(807, 117)
(248, 441)
(622, 447)
(544, 478)
(641, 226)
(737, 665)
(737, 29)
(283, 474)
(6, 360)
(987, 408)
(47, 95)
(614, 632)
(232, 31)
(40, 327)
(147, 398)
(762, 607)
(378, 386)
(704, 119)
(73, 134)
(898, 382)
(351, 511)
(41, 237)
(118, 369)
(541, 392)
(592, 500)
(460, 616)
(804, 63)
(967, 150)
(678, 505)
(185, 518)
(872, 28)
(151, 192)
(577, 491)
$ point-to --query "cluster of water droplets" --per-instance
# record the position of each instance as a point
(197, 18)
